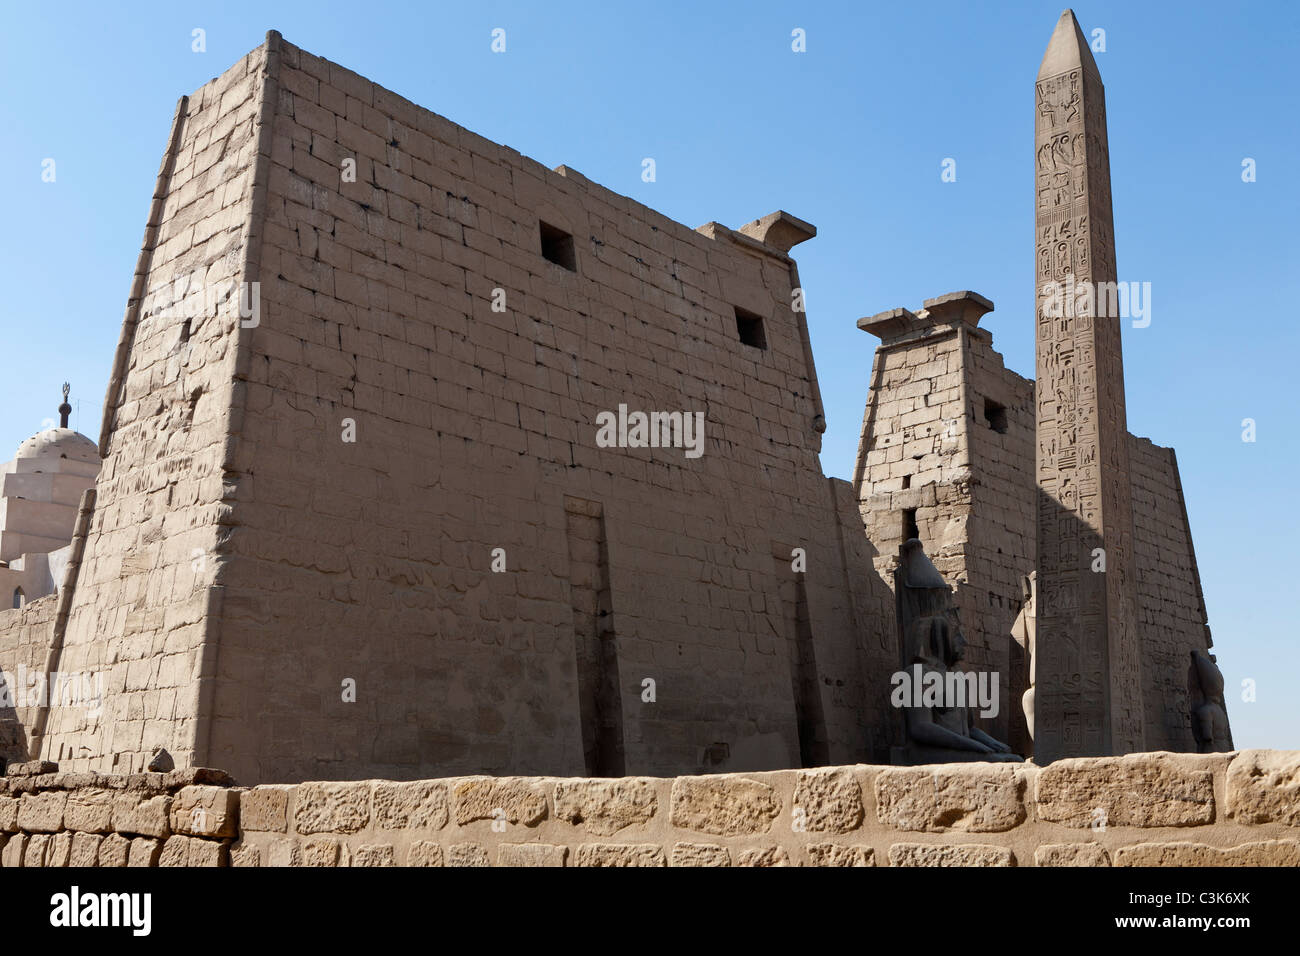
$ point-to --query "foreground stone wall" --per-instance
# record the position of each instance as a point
(1162, 809)
(24, 642)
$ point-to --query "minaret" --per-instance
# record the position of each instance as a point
(1088, 699)
(65, 409)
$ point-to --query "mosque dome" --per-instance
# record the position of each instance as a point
(55, 443)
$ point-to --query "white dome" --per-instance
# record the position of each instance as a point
(56, 443)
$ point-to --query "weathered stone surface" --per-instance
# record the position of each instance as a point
(970, 798)
(8, 814)
(1263, 786)
(42, 812)
(830, 800)
(90, 811)
(467, 854)
(723, 805)
(603, 806)
(205, 811)
(767, 856)
(31, 768)
(531, 854)
(161, 761)
(700, 854)
(192, 851)
(37, 846)
(286, 852)
(1071, 854)
(620, 854)
(245, 855)
(195, 777)
(11, 854)
(322, 852)
(1140, 790)
(142, 814)
(513, 799)
(331, 807)
(380, 854)
(114, 850)
(833, 854)
(965, 854)
(1258, 853)
(60, 849)
(85, 849)
(419, 805)
(265, 809)
(144, 851)
(424, 853)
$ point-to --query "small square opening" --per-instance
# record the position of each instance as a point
(749, 327)
(557, 247)
(996, 416)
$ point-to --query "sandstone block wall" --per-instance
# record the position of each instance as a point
(24, 642)
(1157, 809)
(948, 432)
(145, 586)
(475, 429)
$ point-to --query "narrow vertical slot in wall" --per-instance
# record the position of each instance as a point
(600, 702)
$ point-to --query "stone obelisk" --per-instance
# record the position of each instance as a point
(1088, 698)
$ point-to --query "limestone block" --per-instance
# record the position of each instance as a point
(85, 849)
(467, 854)
(114, 850)
(424, 853)
(11, 854)
(38, 845)
(331, 807)
(964, 854)
(968, 798)
(1263, 786)
(265, 809)
(723, 805)
(531, 854)
(1260, 853)
(831, 800)
(245, 855)
(767, 856)
(380, 854)
(834, 854)
(206, 811)
(59, 850)
(700, 854)
(321, 852)
(1071, 854)
(620, 854)
(89, 811)
(192, 851)
(1141, 790)
(137, 813)
(419, 805)
(42, 812)
(514, 799)
(606, 806)
(8, 814)
(144, 851)
(285, 852)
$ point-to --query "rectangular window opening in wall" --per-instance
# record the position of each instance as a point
(557, 247)
(750, 328)
(910, 529)
(907, 481)
(996, 416)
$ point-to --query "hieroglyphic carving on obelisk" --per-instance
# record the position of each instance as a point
(1088, 693)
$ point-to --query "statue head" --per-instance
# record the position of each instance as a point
(936, 642)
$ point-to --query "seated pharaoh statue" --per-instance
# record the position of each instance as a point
(938, 722)
(1209, 714)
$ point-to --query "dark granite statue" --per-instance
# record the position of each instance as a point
(1209, 713)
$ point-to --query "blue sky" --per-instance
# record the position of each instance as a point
(849, 135)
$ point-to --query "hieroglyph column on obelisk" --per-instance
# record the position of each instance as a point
(1088, 698)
